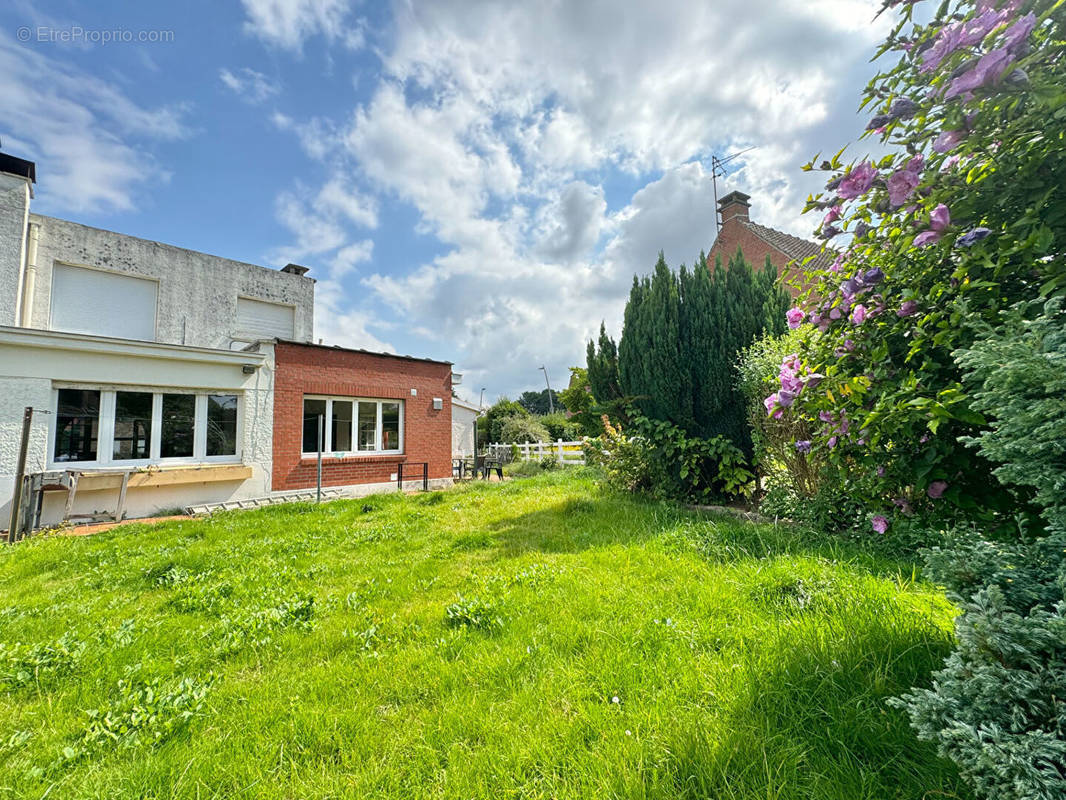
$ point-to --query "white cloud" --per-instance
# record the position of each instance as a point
(509, 127)
(289, 23)
(91, 141)
(252, 87)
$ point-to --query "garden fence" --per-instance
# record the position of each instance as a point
(566, 453)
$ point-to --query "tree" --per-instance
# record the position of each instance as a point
(678, 352)
(602, 368)
(581, 404)
(522, 429)
(537, 402)
(497, 415)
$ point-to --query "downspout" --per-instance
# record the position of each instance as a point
(30, 285)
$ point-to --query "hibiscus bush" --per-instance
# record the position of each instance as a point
(930, 383)
(964, 217)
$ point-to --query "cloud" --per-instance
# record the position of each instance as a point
(287, 24)
(91, 141)
(553, 150)
(252, 87)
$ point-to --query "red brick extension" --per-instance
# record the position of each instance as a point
(314, 369)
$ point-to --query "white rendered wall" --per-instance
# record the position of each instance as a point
(28, 375)
(14, 210)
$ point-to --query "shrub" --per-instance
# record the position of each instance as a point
(559, 426)
(998, 707)
(523, 429)
(491, 425)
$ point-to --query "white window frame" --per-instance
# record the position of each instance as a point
(327, 445)
(105, 441)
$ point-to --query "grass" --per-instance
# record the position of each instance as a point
(536, 639)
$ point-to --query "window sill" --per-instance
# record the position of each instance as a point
(353, 459)
(111, 477)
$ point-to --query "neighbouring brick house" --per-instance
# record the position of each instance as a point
(758, 241)
(379, 411)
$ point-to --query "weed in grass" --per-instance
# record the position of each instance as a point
(143, 712)
(38, 664)
(202, 598)
(473, 612)
(257, 628)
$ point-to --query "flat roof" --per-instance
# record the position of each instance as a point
(18, 166)
(365, 352)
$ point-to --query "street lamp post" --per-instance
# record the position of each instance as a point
(551, 403)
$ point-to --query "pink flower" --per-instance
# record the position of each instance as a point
(907, 309)
(901, 185)
(795, 318)
(879, 524)
(858, 314)
(939, 220)
(936, 489)
(832, 216)
(858, 181)
(835, 313)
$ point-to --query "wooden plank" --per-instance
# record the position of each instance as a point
(121, 508)
(170, 476)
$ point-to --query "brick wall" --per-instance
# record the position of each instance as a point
(735, 234)
(311, 369)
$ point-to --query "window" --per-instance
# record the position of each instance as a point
(341, 426)
(123, 426)
(378, 425)
(259, 319)
(368, 426)
(221, 425)
(179, 424)
(103, 303)
(77, 425)
(390, 426)
(313, 409)
(132, 438)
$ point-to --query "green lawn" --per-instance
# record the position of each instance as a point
(537, 639)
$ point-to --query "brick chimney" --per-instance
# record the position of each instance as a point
(734, 204)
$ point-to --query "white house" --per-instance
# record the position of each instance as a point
(148, 366)
(463, 416)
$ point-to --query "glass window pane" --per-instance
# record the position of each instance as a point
(77, 425)
(133, 425)
(178, 423)
(390, 426)
(368, 426)
(312, 410)
(341, 426)
(222, 425)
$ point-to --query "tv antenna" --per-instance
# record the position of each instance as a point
(718, 170)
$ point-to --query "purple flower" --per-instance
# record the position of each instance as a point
(903, 108)
(813, 379)
(901, 185)
(881, 472)
(803, 446)
(948, 140)
(874, 276)
(832, 216)
(936, 489)
(1019, 31)
(832, 442)
(862, 229)
(825, 416)
(972, 237)
(795, 318)
(939, 220)
(835, 313)
(849, 345)
(988, 70)
(879, 523)
(771, 406)
(849, 287)
(908, 309)
(858, 181)
(858, 314)
(785, 398)
(838, 262)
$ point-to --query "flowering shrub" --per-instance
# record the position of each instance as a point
(965, 217)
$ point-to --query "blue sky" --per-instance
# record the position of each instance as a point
(474, 181)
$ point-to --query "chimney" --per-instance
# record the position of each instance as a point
(17, 177)
(734, 204)
(295, 269)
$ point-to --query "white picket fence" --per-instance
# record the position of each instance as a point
(567, 453)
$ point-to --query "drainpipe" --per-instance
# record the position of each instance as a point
(30, 285)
